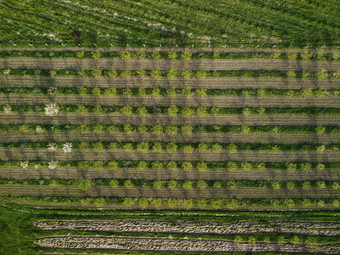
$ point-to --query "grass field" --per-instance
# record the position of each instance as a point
(144, 127)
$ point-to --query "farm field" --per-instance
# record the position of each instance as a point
(181, 127)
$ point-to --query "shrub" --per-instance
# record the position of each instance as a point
(128, 147)
(217, 147)
(113, 147)
(141, 73)
(172, 110)
(112, 165)
(335, 185)
(156, 202)
(97, 109)
(202, 110)
(128, 184)
(188, 203)
(98, 146)
(172, 165)
(171, 130)
(112, 129)
(98, 128)
(84, 184)
(96, 72)
(141, 54)
(202, 147)
(127, 128)
(186, 91)
(142, 165)
(125, 54)
(187, 111)
(186, 73)
(84, 146)
(172, 184)
(231, 165)
(187, 165)
(252, 240)
(142, 129)
(290, 202)
(321, 148)
(320, 166)
(171, 92)
(306, 185)
(171, 147)
(128, 201)
(201, 184)
(186, 130)
(157, 165)
(276, 185)
(291, 185)
(156, 74)
(112, 91)
(157, 184)
(201, 92)
(246, 166)
(126, 110)
(186, 55)
(172, 202)
(157, 147)
(201, 74)
(97, 164)
(172, 73)
(143, 202)
(114, 184)
(172, 55)
(143, 147)
(231, 184)
(156, 92)
(126, 74)
(187, 185)
(141, 91)
(232, 148)
(157, 129)
(156, 55)
(202, 166)
(291, 166)
(187, 149)
(83, 164)
(112, 73)
(321, 184)
(306, 166)
(246, 111)
(217, 204)
(217, 185)
(80, 54)
(142, 111)
(96, 54)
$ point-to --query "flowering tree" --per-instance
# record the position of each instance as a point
(51, 109)
(67, 147)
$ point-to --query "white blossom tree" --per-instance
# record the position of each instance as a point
(24, 164)
(51, 109)
(7, 109)
(51, 147)
(67, 147)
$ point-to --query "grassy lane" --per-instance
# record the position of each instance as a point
(258, 138)
(207, 101)
(9, 154)
(216, 193)
(135, 64)
(117, 118)
(148, 82)
(63, 173)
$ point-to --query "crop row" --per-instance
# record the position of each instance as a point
(135, 64)
(8, 154)
(163, 119)
(175, 245)
(147, 82)
(170, 135)
(206, 227)
(181, 101)
(64, 173)
(150, 192)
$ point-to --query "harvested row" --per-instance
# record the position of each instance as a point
(164, 49)
(135, 64)
(206, 227)
(162, 119)
(209, 193)
(177, 245)
(258, 138)
(164, 174)
(147, 82)
(9, 154)
(215, 101)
